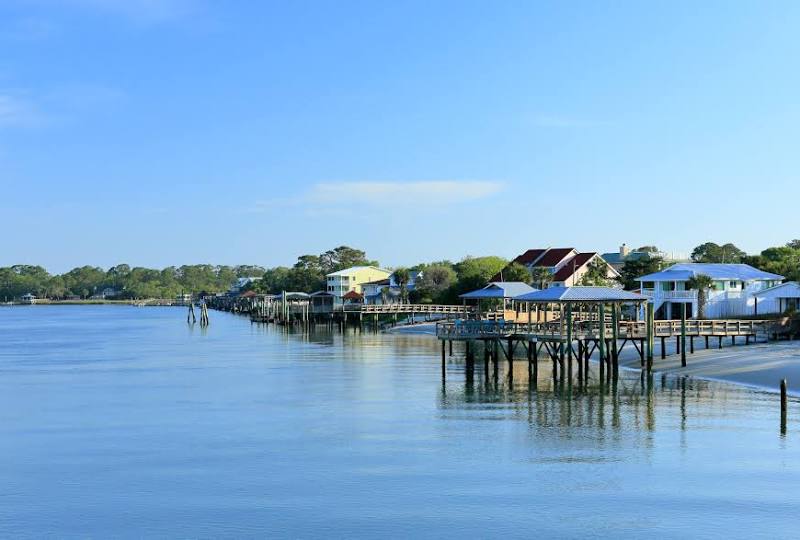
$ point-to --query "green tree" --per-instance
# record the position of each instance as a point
(433, 283)
(541, 277)
(633, 269)
(596, 274)
(343, 257)
(713, 253)
(647, 249)
(402, 276)
(701, 283)
(516, 272)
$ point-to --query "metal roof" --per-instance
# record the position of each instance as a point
(500, 289)
(685, 271)
(790, 289)
(348, 271)
(581, 294)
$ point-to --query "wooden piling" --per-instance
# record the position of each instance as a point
(683, 334)
(443, 360)
(784, 403)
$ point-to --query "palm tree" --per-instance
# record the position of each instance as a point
(402, 276)
(701, 283)
(541, 276)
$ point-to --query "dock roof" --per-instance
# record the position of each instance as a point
(499, 289)
(719, 271)
(581, 294)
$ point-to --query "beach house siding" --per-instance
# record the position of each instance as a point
(351, 279)
(733, 294)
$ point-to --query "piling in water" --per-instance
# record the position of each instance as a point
(783, 405)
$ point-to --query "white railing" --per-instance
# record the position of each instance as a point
(670, 295)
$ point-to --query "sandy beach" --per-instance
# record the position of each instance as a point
(761, 365)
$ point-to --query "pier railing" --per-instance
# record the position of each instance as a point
(409, 308)
(592, 329)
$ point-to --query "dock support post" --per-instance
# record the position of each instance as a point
(602, 337)
(615, 337)
(783, 406)
(691, 344)
(569, 341)
(495, 354)
(650, 334)
(451, 347)
(663, 347)
(720, 342)
(683, 334)
(443, 360)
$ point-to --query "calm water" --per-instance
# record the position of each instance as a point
(121, 422)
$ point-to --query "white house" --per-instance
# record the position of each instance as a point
(779, 299)
(28, 298)
(733, 294)
(241, 283)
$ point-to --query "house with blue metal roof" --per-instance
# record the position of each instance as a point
(733, 293)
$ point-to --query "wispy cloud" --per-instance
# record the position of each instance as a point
(340, 198)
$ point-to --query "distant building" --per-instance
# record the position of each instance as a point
(566, 265)
(352, 279)
(388, 290)
(185, 298)
(241, 283)
(733, 294)
(617, 259)
(28, 298)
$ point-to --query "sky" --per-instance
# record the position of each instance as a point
(168, 132)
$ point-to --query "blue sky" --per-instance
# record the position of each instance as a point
(158, 132)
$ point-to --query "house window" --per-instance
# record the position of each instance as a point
(733, 284)
(719, 286)
(648, 285)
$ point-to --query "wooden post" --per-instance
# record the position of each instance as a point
(650, 324)
(443, 360)
(451, 347)
(569, 340)
(683, 334)
(663, 347)
(615, 336)
(602, 332)
(783, 406)
(535, 346)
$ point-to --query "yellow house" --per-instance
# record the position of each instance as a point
(351, 279)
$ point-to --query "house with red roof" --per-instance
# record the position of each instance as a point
(568, 266)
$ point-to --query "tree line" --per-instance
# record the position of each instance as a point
(440, 281)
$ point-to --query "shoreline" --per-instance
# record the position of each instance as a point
(759, 366)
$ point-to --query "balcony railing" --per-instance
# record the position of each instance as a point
(670, 295)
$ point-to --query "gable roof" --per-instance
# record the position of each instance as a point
(501, 289)
(352, 295)
(719, 271)
(581, 294)
(529, 256)
(554, 256)
(790, 289)
(572, 266)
